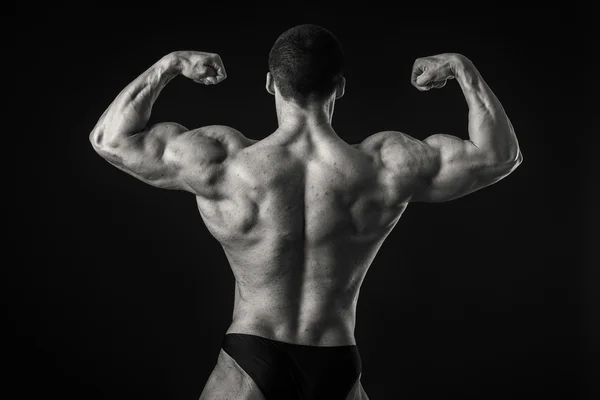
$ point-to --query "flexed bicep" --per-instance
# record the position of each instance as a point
(169, 156)
(145, 155)
(437, 169)
(454, 168)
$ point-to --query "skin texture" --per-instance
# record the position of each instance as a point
(301, 214)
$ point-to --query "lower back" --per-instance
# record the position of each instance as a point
(294, 317)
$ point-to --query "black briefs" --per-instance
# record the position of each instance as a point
(286, 371)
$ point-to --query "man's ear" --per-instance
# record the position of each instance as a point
(270, 85)
(340, 88)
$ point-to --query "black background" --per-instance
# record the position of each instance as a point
(124, 294)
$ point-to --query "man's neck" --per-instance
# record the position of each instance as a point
(292, 117)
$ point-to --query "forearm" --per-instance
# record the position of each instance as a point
(489, 126)
(130, 111)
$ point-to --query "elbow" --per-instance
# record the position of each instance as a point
(515, 162)
(498, 168)
(506, 166)
(516, 159)
(519, 158)
(95, 138)
(100, 142)
(511, 158)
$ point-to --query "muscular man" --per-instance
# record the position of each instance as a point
(301, 214)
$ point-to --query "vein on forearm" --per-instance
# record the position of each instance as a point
(489, 126)
(130, 111)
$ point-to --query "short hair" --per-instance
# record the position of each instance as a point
(307, 63)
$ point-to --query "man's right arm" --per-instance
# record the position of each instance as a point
(450, 167)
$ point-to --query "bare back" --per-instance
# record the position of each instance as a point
(301, 220)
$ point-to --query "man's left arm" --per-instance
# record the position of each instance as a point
(159, 154)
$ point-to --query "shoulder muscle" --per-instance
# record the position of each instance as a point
(201, 156)
(399, 153)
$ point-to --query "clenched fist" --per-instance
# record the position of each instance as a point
(201, 67)
(434, 71)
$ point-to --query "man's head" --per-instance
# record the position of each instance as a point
(306, 64)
